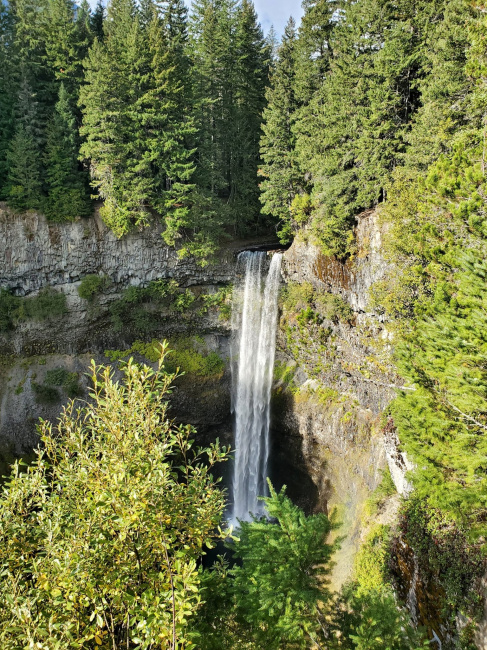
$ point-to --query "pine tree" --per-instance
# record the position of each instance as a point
(117, 77)
(64, 51)
(97, 20)
(8, 88)
(171, 121)
(24, 185)
(66, 186)
(282, 180)
(279, 587)
(360, 115)
(212, 31)
(251, 76)
(443, 421)
(443, 88)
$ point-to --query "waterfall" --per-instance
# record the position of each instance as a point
(254, 324)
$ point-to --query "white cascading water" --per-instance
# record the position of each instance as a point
(254, 324)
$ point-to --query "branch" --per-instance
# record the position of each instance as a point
(464, 415)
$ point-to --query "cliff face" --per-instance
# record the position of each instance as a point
(329, 440)
(35, 254)
(330, 419)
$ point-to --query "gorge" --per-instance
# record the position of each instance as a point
(243, 326)
(326, 441)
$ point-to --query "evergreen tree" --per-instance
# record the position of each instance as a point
(282, 180)
(361, 113)
(64, 49)
(251, 75)
(212, 31)
(24, 185)
(8, 89)
(276, 595)
(279, 585)
(443, 421)
(313, 49)
(444, 86)
(171, 121)
(96, 21)
(117, 77)
(66, 186)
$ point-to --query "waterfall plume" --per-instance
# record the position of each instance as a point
(254, 323)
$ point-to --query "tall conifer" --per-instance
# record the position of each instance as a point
(66, 185)
(282, 180)
(24, 185)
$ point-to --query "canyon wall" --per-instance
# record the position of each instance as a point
(334, 376)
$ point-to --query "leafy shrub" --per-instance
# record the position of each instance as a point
(8, 308)
(307, 315)
(220, 300)
(62, 378)
(296, 296)
(442, 546)
(91, 285)
(109, 523)
(190, 361)
(183, 354)
(47, 304)
(370, 569)
(334, 308)
(56, 377)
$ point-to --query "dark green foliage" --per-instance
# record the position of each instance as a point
(8, 83)
(8, 309)
(443, 548)
(47, 304)
(282, 179)
(67, 195)
(62, 378)
(373, 620)
(46, 394)
(91, 286)
(276, 595)
(24, 184)
(442, 421)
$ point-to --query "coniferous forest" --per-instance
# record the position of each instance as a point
(196, 119)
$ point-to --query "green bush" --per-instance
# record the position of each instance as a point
(62, 378)
(191, 361)
(45, 394)
(8, 308)
(91, 285)
(296, 296)
(47, 304)
(184, 353)
(109, 523)
(442, 547)
(334, 308)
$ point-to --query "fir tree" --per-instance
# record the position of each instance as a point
(251, 75)
(8, 87)
(117, 75)
(279, 587)
(96, 21)
(172, 125)
(66, 186)
(24, 185)
(282, 180)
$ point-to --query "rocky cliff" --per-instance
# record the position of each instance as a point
(37, 255)
(333, 379)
